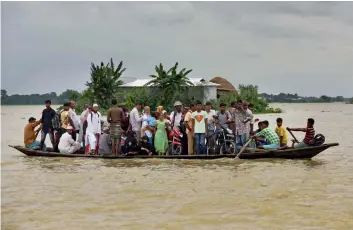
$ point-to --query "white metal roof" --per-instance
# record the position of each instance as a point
(143, 82)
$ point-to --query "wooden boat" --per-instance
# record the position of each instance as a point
(289, 153)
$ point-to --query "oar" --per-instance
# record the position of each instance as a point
(295, 139)
(37, 131)
(242, 149)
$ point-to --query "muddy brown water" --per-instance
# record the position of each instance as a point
(58, 193)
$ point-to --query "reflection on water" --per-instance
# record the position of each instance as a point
(78, 193)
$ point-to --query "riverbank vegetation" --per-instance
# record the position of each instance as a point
(295, 98)
(166, 86)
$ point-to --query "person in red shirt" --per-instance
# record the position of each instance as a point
(309, 134)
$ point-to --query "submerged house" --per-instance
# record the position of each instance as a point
(202, 90)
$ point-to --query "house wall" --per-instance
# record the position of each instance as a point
(210, 93)
(202, 93)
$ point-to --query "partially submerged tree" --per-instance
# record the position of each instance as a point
(170, 84)
(105, 80)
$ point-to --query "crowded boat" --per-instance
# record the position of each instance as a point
(194, 129)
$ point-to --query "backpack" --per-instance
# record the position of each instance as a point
(318, 140)
(56, 121)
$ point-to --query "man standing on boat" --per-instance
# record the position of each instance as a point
(175, 116)
(114, 118)
(47, 128)
(210, 120)
(190, 129)
(93, 131)
(136, 121)
(239, 119)
(200, 126)
(76, 123)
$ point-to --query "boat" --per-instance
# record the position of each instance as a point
(289, 153)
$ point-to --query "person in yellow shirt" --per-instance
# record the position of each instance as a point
(281, 132)
(30, 135)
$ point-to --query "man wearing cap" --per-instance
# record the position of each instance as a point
(93, 131)
(47, 128)
(136, 121)
(175, 116)
(105, 143)
(67, 144)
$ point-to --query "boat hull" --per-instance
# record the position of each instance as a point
(304, 153)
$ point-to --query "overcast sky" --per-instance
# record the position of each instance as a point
(292, 47)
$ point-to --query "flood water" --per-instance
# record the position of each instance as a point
(57, 193)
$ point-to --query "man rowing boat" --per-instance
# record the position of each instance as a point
(309, 134)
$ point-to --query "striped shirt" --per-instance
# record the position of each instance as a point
(309, 135)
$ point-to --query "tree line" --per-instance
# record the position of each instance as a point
(38, 99)
(295, 98)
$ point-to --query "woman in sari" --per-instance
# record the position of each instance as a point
(161, 138)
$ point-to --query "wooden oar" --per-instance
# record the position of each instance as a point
(295, 139)
(37, 131)
(242, 149)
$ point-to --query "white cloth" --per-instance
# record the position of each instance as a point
(93, 123)
(74, 118)
(67, 144)
(250, 116)
(83, 116)
(93, 128)
(135, 120)
(177, 119)
(210, 119)
(91, 140)
(144, 125)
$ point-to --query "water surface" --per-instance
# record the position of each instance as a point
(59, 193)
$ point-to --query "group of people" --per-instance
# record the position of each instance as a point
(147, 132)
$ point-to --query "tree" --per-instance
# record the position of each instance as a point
(68, 95)
(105, 80)
(170, 84)
(3, 94)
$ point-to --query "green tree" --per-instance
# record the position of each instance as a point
(68, 95)
(170, 84)
(3, 93)
(105, 80)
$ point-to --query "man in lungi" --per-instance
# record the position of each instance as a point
(114, 118)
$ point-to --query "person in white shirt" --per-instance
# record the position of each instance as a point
(83, 118)
(176, 115)
(210, 120)
(93, 131)
(67, 144)
(136, 121)
(249, 119)
(74, 119)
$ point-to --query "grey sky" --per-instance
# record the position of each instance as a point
(295, 47)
